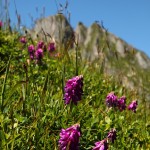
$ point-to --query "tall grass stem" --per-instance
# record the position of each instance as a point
(4, 83)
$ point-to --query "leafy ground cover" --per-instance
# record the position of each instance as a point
(51, 99)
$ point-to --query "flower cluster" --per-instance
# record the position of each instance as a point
(69, 138)
(113, 101)
(36, 52)
(73, 90)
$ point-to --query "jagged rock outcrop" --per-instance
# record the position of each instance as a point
(143, 60)
(95, 37)
(81, 33)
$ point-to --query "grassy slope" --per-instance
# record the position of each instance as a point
(33, 111)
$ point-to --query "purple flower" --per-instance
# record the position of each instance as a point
(133, 106)
(40, 45)
(23, 40)
(31, 51)
(101, 145)
(122, 103)
(111, 100)
(51, 47)
(112, 135)
(73, 90)
(31, 48)
(69, 138)
(1, 24)
(31, 56)
(39, 54)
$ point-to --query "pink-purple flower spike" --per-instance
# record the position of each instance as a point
(122, 103)
(39, 54)
(51, 47)
(69, 138)
(40, 45)
(111, 100)
(73, 90)
(101, 145)
(31, 50)
(133, 106)
(1, 24)
(23, 40)
(112, 135)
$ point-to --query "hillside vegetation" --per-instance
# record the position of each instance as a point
(66, 94)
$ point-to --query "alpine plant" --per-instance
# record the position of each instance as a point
(111, 100)
(101, 145)
(133, 106)
(69, 138)
(73, 90)
(112, 135)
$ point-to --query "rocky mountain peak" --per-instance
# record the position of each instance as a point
(90, 39)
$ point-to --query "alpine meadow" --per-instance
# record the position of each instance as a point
(71, 89)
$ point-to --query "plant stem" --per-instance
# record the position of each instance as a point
(4, 83)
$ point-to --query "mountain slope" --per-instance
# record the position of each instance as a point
(103, 49)
(130, 65)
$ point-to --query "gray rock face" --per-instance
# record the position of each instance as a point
(81, 33)
(56, 27)
(94, 37)
(120, 47)
(143, 60)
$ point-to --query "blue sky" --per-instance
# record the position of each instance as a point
(127, 19)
